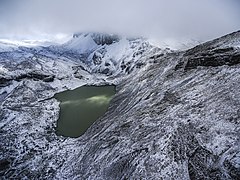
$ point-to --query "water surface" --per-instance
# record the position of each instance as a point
(79, 108)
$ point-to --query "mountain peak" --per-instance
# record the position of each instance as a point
(99, 38)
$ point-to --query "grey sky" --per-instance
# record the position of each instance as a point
(202, 19)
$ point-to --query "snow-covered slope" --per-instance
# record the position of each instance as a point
(100, 53)
(108, 54)
(175, 44)
(11, 45)
(7, 46)
(175, 114)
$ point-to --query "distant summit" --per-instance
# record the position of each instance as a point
(100, 38)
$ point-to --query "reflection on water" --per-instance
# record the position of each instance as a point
(79, 108)
(99, 100)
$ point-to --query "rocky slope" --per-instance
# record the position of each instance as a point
(175, 114)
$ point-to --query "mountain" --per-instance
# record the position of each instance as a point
(175, 114)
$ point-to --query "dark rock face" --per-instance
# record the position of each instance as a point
(165, 122)
(4, 164)
(4, 81)
(31, 75)
(100, 38)
(213, 58)
(37, 76)
(214, 53)
(97, 59)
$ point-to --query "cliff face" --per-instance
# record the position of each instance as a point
(175, 116)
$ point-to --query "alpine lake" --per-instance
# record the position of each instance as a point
(81, 107)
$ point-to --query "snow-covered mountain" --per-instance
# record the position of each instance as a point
(105, 53)
(97, 52)
(102, 53)
(175, 114)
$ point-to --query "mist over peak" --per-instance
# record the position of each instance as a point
(157, 19)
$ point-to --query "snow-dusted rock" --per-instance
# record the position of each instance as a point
(175, 114)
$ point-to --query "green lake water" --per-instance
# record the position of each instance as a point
(79, 108)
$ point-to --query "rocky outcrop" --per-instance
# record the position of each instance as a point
(31, 75)
(100, 38)
(213, 58)
(219, 52)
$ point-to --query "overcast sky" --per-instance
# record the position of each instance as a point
(199, 19)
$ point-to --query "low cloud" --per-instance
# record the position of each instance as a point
(159, 19)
